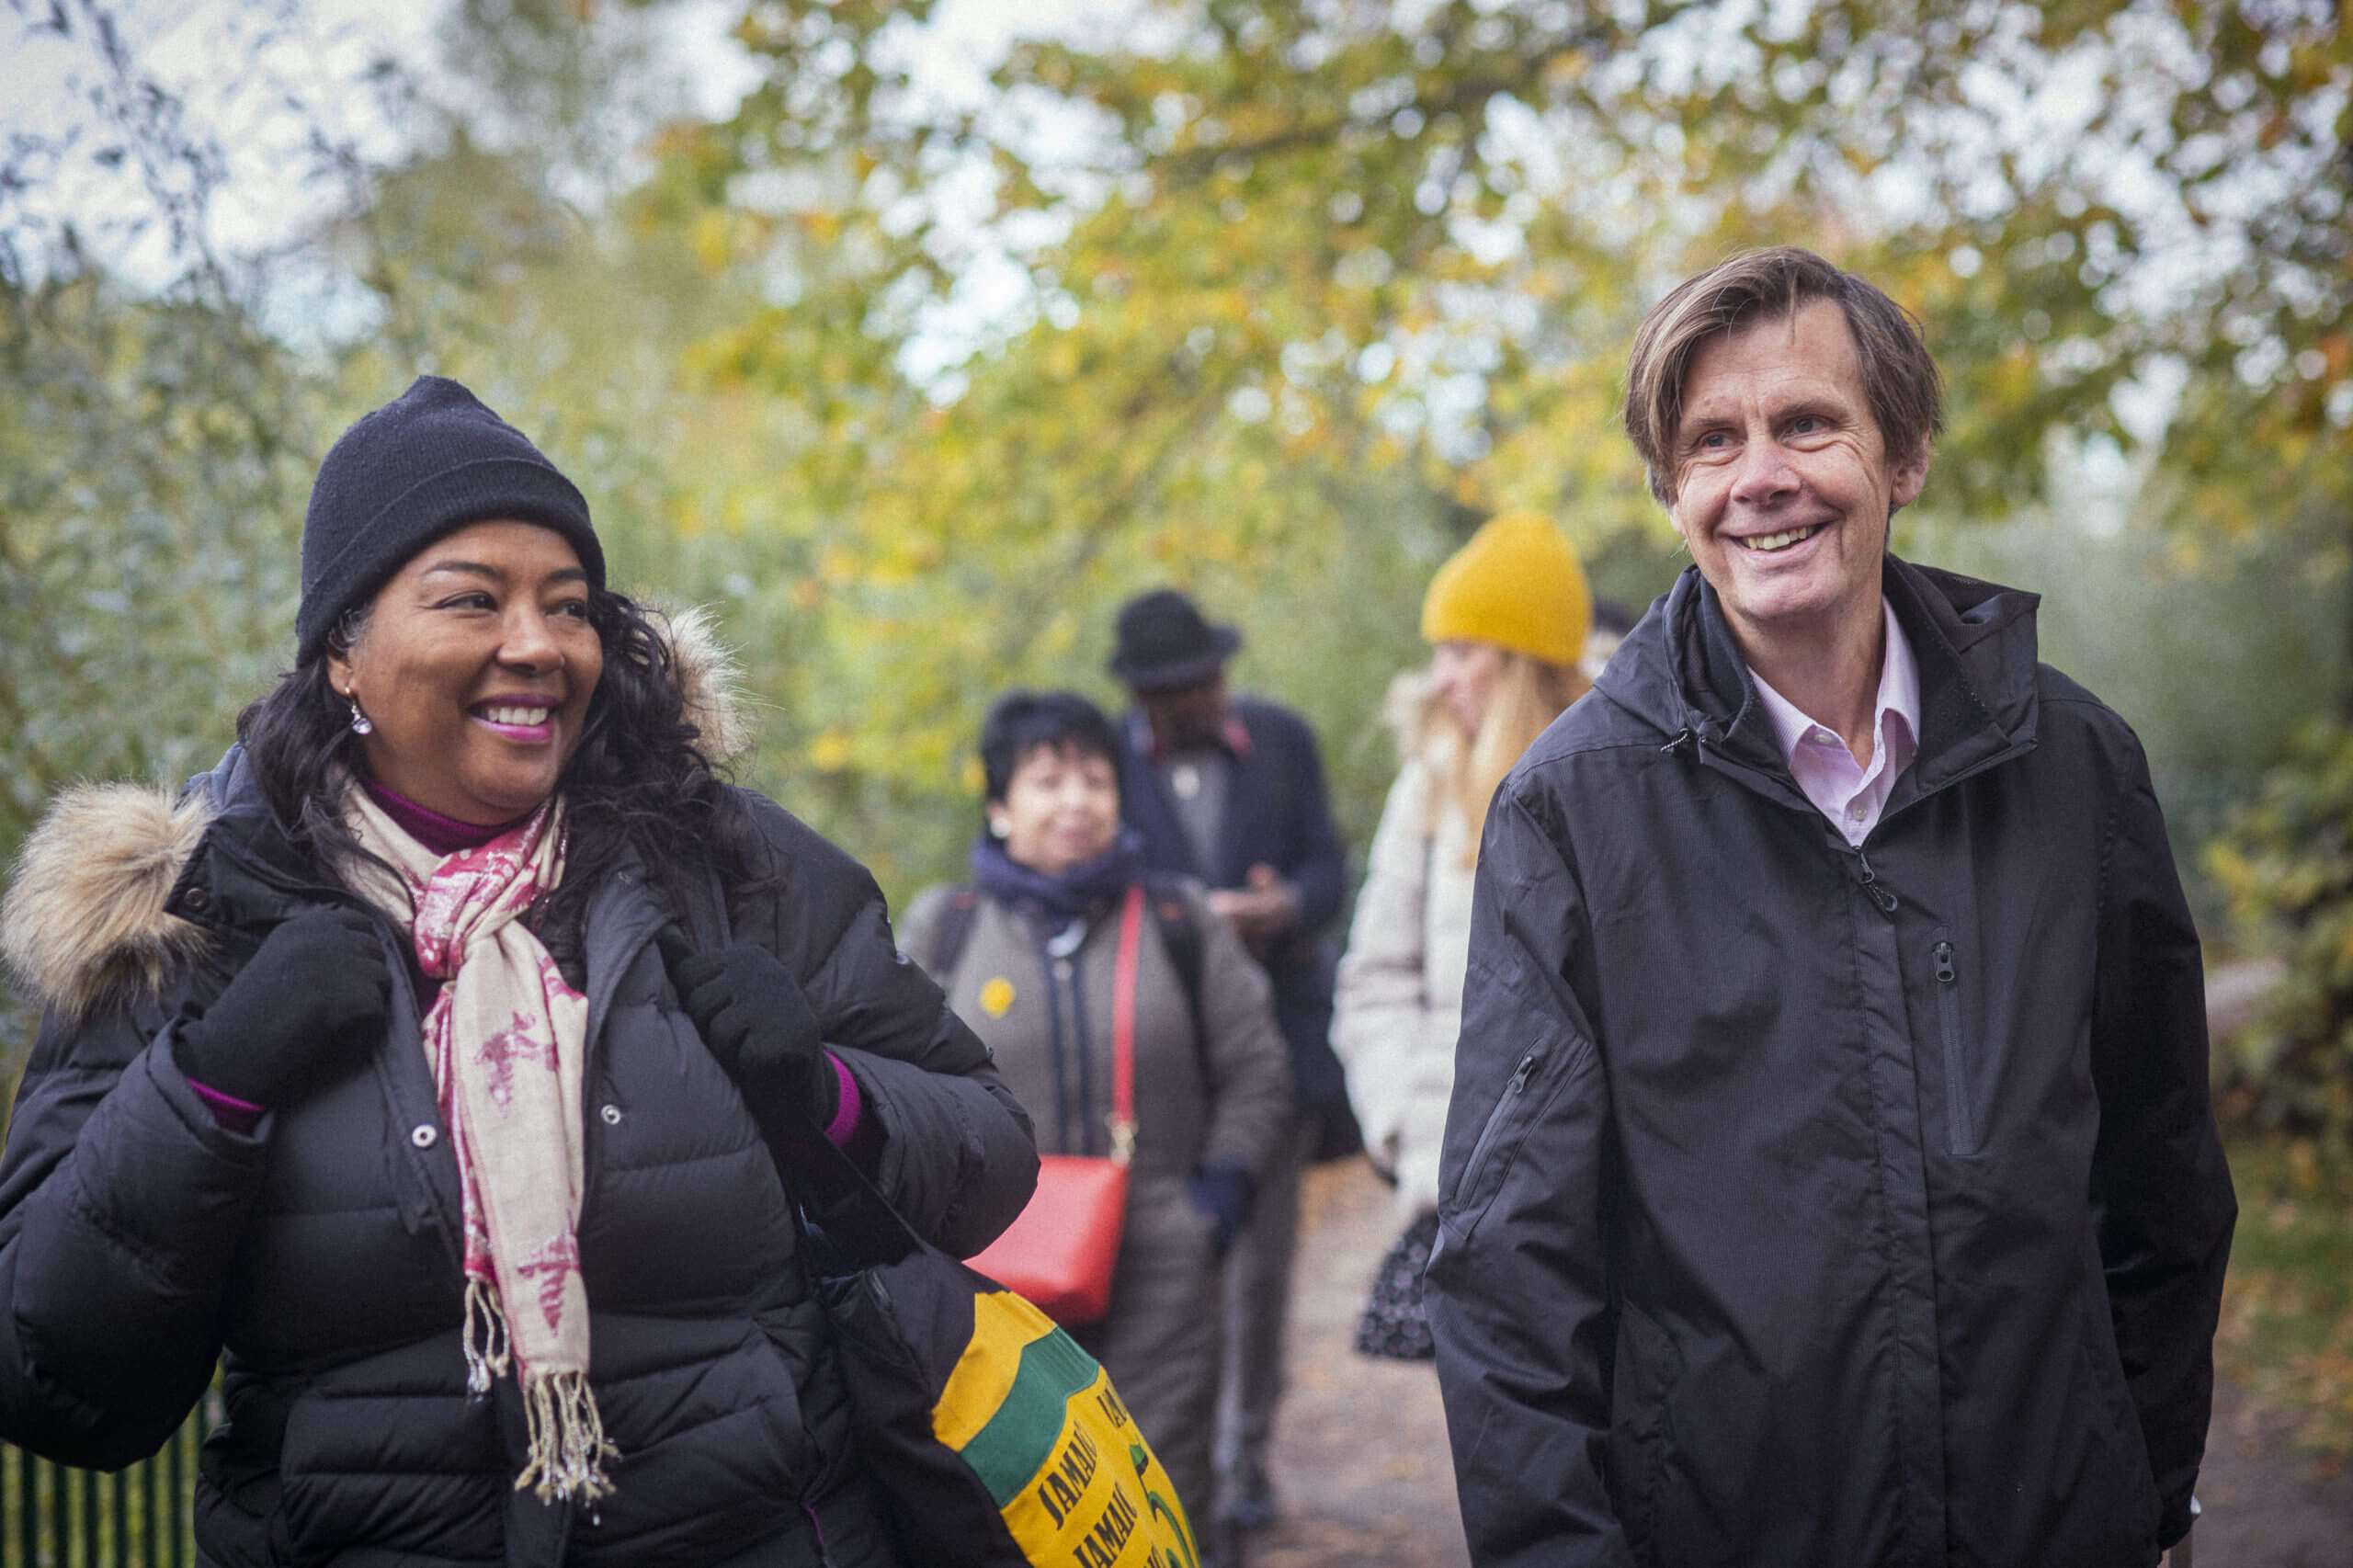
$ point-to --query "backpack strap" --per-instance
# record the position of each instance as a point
(953, 930)
(1181, 940)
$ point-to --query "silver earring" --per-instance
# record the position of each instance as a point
(360, 725)
(998, 828)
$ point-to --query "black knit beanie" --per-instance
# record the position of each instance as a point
(430, 461)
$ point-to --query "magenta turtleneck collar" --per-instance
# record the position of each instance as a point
(443, 836)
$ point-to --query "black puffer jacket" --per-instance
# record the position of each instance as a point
(139, 1240)
(1809, 1205)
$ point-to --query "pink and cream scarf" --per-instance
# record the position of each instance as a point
(507, 1039)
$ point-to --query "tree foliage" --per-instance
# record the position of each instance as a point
(150, 471)
(1289, 285)
(1440, 221)
(1271, 300)
(2286, 863)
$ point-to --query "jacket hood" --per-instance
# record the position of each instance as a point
(1681, 671)
(712, 682)
(85, 919)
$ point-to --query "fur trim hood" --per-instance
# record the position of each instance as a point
(84, 917)
(710, 680)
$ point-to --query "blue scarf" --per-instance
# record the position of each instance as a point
(1063, 896)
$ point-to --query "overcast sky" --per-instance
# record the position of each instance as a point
(235, 63)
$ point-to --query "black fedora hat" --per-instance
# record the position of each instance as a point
(1164, 643)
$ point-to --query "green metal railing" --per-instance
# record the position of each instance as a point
(54, 1516)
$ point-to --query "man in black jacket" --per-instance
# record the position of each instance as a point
(1230, 789)
(1830, 1176)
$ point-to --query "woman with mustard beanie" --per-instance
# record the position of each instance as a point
(1505, 618)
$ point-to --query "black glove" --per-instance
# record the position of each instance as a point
(756, 1020)
(308, 1004)
(1225, 1194)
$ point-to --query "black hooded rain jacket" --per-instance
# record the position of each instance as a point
(1804, 1205)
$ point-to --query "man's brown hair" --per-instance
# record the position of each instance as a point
(1905, 391)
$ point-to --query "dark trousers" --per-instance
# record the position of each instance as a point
(1257, 1307)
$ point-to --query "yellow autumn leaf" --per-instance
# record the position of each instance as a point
(831, 751)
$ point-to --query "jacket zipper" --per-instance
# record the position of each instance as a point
(1495, 1120)
(1959, 1122)
(1869, 879)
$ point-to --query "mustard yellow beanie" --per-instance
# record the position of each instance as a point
(1516, 585)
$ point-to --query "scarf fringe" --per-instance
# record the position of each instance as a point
(568, 1446)
(488, 1352)
(567, 1431)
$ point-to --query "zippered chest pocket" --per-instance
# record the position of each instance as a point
(1961, 1114)
(1496, 1118)
(1525, 1095)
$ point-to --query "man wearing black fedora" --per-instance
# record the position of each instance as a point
(1229, 789)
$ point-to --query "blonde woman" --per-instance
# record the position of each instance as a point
(1506, 619)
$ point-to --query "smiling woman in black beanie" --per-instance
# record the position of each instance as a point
(363, 1073)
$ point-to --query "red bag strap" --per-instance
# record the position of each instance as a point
(1123, 1026)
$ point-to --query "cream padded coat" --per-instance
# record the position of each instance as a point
(1399, 1002)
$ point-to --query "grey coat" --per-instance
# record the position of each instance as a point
(1215, 1102)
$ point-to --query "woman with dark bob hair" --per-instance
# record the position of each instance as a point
(1027, 952)
(427, 1064)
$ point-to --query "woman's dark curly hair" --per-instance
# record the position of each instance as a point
(639, 778)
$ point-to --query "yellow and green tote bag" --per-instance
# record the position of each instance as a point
(1044, 1432)
(995, 1441)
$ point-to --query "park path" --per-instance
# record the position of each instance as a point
(2265, 1507)
(1361, 1459)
